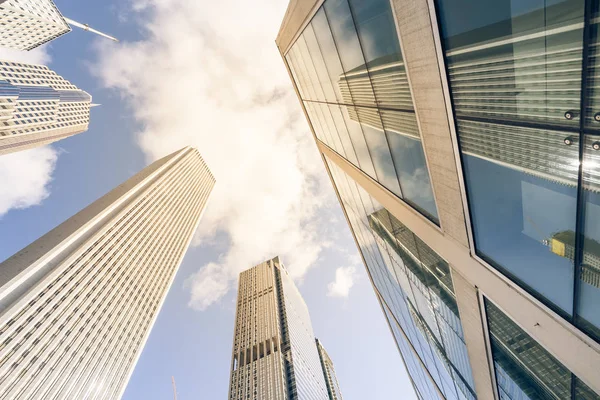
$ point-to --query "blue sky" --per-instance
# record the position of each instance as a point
(207, 74)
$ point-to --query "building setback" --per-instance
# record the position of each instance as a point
(333, 386)
(38, 107)
(77, 305)
(27, 24)
(274, 353)
(461, 138)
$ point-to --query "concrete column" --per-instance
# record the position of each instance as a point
(421, 59)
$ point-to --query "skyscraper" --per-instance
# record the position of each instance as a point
(38, 106)
(77, 305)
(333, 387)
(461, 138)
(27, 24)
(274, 353)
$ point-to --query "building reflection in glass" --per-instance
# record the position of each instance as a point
(524, 369)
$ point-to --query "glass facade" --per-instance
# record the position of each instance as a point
(416, 289)
(530, 158)
(349, 70)
(524, 369)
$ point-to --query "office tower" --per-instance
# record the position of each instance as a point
(462, 139)
(77, 305)
(333, 387)
(27, 24)
(38, 107)
(274, 353)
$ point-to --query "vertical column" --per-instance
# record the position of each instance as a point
(413, 22)
(475, 335)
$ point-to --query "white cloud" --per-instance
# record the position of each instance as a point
(25, 177)
(344, 280)
(209, 75)
(38, 55)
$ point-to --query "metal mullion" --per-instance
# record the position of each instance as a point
(407, 110)
(580, 210)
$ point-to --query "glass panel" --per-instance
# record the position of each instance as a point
(381, 156)
(293, 68)
(416, 285)
(335, 135)
(319, 63)
(340, 124)
(524, 369)
(521, 195)
(358, 141)
(592, 121)
(312, 79)
(379, 39)
(589, 294)
(409, 160)
(515, 60)
(330, 54)
(514, 68)
(346, 39)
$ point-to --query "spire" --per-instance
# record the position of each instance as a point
(87, 28)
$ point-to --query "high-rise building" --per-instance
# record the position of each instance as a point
(27, 24)
(333, 386)
(274, 355)
(461, 138)
(77, 305)
(38, 106)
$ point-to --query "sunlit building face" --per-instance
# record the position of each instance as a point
(461, 139)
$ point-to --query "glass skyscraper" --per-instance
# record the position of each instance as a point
(333, 386)
(77, 305)
(462, 138)
(274, 354)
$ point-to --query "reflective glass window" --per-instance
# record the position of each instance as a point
(589, 269)
(379, 39)
(415, 284)
(344, 33)
(409, 160)
(329, 52)
(524, 369)
(319, 64)
(514, 70)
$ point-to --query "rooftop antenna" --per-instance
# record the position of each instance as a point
(86, 27)
(174, 388)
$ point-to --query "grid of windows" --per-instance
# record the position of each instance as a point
(27, 24)
(38, 106)
(524, 369)
(274, 352)
(75, 328)
(415, 286)
(520, 76)
(333, 386)
(350, 74)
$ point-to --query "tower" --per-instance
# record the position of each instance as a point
(38, 107)
(274, 354)
(77, 305)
